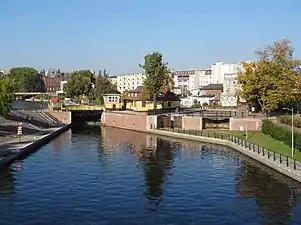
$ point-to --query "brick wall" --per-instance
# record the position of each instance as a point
(250, 123)
(192, 123)
(124, 120)
(64, 117)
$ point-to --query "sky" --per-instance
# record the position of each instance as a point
(117, 34)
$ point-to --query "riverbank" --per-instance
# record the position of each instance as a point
(284, 165)
(15, 149)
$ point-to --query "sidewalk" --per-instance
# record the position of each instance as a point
(14, 146)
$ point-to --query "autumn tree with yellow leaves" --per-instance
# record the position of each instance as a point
(272, 80)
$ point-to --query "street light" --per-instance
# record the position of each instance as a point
(292, 110)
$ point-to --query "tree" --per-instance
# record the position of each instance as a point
(6, 95)
(273, 79)
(80, 83)
(26, 79)
(156, 71)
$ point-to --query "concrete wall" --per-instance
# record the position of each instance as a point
(250, 123)
(64, 117)
(124, 120)
(192, 123)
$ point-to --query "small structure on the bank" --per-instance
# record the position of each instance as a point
(84, 100)
(112, 100)
(139, 100)
(55, 104)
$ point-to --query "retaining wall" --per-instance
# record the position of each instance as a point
(32, 146)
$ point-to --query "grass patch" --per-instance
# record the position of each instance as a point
(267, 142)
(255, 137)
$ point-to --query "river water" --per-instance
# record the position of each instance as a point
(113, 176)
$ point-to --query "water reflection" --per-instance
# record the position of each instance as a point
(7, 181)
(275, 199)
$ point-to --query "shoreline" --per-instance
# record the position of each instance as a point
(281, 165)
(20, 149)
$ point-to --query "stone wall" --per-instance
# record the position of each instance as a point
(124, 120)
(192, 123)
(64, 117)
(253, 124)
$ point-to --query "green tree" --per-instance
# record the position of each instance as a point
(273, 79)
(6, 95)
(80, 83)
(156, 71)
(26, 79)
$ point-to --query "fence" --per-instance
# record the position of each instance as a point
(272, 156)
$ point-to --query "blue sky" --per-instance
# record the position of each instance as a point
(116, 34)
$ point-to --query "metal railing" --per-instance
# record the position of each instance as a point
(268, 154)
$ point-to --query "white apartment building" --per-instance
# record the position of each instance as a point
(186, 80)
(219, 69)
(131, 81)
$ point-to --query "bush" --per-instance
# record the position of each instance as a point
(287, 119)
(281, 134)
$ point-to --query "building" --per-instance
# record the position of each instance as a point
(219, 69)
(112, 101)
(186, 80)
(128, 82)
(139, 100)
(63, 83)
(113, 79)
(53, 80)
(212, 90)
(229, 97)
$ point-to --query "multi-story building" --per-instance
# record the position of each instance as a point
(53, 80)
(186, 80)
(229, 95)
(219, 69)
(128, 82)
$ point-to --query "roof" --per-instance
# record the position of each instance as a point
(212, 87)
(55, 100)
(139, 94)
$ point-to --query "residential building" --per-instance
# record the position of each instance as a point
(113, 79)
(112, 101)
(128, 82)
(229, 96)
(53, 80)
(219, 69)
(205, 77)
(139, 100)
(212, 90)
(63, 83)
(186, 80)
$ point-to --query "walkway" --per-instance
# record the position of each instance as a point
(13, 146)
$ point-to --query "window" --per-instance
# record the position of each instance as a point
(143, 104)
(168, 104)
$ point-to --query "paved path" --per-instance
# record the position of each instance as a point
(14, 145)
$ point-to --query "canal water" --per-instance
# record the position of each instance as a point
(113, 176)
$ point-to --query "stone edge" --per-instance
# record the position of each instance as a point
(33, 146)
(286, 171)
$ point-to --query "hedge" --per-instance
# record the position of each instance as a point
(288, 120)
(281, 134)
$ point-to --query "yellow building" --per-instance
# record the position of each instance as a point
(112, 101)
(139, 100)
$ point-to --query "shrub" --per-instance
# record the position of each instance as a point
(287, 119)
(281, 134)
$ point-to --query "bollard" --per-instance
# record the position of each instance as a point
(262, 151)
(280, 159)
(268, 153)
(287, 161)
(274, 156)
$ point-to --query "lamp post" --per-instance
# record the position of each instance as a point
(246, 122)
(292, 110)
